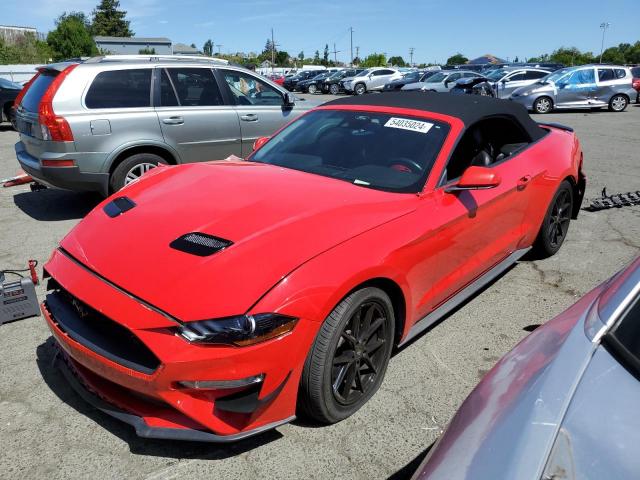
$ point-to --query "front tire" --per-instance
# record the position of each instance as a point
(543, 105)
(618, 103)
(349, 357)
(334, 89)
(556, 223)
(312, 89)
(132, 168)
(360, 89)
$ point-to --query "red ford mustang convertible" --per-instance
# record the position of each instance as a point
(213, 301)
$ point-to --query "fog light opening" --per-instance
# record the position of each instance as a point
(221, 384)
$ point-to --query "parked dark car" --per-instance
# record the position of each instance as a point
(292, 82)
(411, 77)
(8, 93)
(314, 84)
(332, 83)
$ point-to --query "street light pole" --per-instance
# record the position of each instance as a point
(411, 55)
(351, 30)
(603, 26)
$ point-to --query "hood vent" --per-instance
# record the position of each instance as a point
(200, 244)
(118, 206)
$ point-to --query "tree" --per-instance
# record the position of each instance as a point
(457, 59)
(25, 49)
(397, 61)
(375, 60)
(193, 45)
(207, 48)
(268, 47)
(325, 55)
(147, 51)
(356, 60)
(571, 56)
(316, 58)
(71, 37)
(282, 58)
(516, 60)
(301, 56)
(109, 21)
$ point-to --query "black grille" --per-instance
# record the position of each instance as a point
(200, 244)
(98, 333)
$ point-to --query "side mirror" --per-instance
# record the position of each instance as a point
(505, 80)
(476, 178)
(289, 99)
(446, 83)
(260, 142)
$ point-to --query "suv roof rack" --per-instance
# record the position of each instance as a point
(157, 58)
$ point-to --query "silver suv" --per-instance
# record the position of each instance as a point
(370, 80)
(99, 124)
(587, 86)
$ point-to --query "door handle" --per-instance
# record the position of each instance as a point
(523, 182)
(250, 117)
(173, 121)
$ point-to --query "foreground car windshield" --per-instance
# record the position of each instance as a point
(375, 150)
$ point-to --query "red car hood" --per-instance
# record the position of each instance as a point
(276, 218)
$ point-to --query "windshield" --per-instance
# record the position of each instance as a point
(412, 76)
(337, 75)
(496, 75)
(364, 73)
(10, 85)
(438, 77)
(555, 76)
(374, 150)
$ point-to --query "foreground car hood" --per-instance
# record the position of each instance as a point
(277, 219)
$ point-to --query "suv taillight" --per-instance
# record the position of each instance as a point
(18, 100)
(54, 127)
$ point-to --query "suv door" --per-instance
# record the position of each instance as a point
(259, 106)
(379, 78)
(194, 118)
(576, 89)
(512, 81)
(606, 83)
(450, 81)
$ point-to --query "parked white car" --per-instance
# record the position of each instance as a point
(371, 79)
(442, 81)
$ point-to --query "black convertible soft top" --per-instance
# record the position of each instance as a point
(468, 108)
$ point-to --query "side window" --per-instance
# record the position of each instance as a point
(582, 77)
(516, 77)
(120, 89)
(454, 76)
(605, 74)
(535, 74)
(167, 92)
(620, 73)
(249, 90)
(485, 143)
(195, 87)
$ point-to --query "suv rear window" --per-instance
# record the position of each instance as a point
(120, 89)
(31, 99)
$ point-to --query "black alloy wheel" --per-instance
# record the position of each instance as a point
(359, 355)
(348, 359)
(555, 225)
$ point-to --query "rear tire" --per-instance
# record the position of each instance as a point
(618, 103)
(555, 225)
(132, 168)
(334, 89)
(360, 89)
(312, 89)
(543, 105)
(349, 357)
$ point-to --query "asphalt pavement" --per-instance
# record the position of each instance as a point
(49, 431)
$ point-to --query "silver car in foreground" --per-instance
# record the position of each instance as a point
(100, 124)
(442, 81)
(563, 404)
(587, 86)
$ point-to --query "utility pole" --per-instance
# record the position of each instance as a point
(335, 54)
(219, 46)
(411, 55)
(603, 26)
(351, 30)
(273, 52)
(358, 53)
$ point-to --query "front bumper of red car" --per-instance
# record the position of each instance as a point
(123, 358)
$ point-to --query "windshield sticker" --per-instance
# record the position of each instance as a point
(406, 124)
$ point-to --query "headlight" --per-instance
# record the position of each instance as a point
(242, 330)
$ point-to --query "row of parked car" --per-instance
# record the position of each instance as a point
(541, 88)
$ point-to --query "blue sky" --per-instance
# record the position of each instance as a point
(435, 28)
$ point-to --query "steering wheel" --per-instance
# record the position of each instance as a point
(403, 164)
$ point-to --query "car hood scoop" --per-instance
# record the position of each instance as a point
(200, 244)
(209, 239)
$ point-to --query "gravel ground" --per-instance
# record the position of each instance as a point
(47, 430)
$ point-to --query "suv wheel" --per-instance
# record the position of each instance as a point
(312, 88)
(334, 89)
(349, 356)
(543, 105)
(132, 168)
(360, 89)
(618, 103)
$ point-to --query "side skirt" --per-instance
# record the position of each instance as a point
(490, 275)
